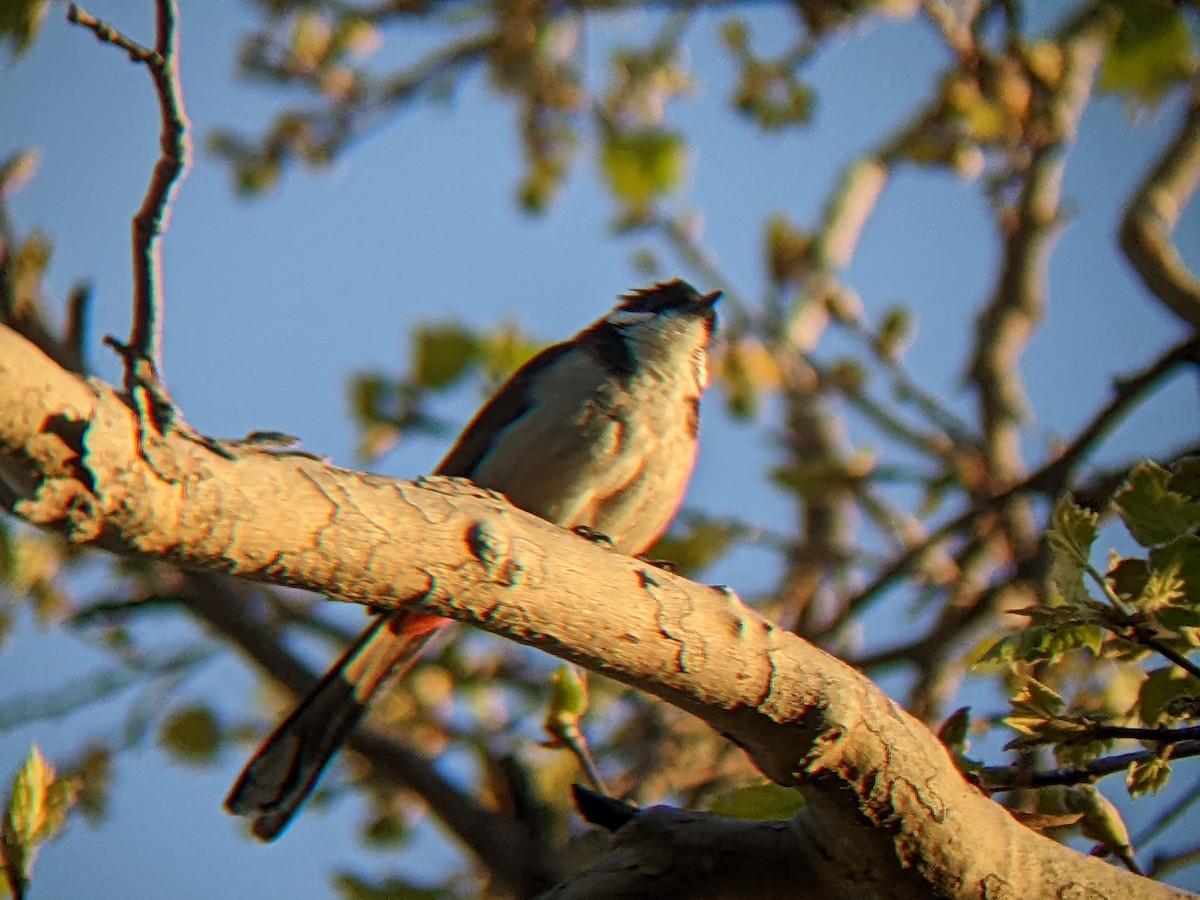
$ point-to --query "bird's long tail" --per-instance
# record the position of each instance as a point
(284, 771)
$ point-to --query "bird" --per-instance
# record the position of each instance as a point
(597, 434)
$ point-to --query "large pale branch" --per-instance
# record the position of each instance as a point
(880, 790)
(1153, 214)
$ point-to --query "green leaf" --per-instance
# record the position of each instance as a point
(1128, 578)
(849, 376)
(568, 696)
(735, 34)
(27, 810)
(93, 775)
(773, 95)
(503, 350)
(369, 395)
(1041, 643)
(312, 36)
(954, 733)
(1073, 750)
(28, 266)
(788, 249)
(895, 332)
(954, 730)
(1038, 718)
(1151, 53)
(703, 542)
(1163, 587)
(643, 164)
(1037, 696)
(18, 170)
(763, 802)
(1003, 650)
(386, 831)
(1153, 512)
(1179, 563)
(1147, 776)
(191, 736)
(442, 355)
(1182, 622)
(256, 177)
(8, 559)
(20, 22)
(541, 184)
(1071, 535)
(37, 810)
(746, 370)
(1161, 692)
(1185, 477)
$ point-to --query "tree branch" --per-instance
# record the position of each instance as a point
(143, 353)
(1051, 479)
(997, 779)
(878, 785)
(1006, 322)
(1153, 214)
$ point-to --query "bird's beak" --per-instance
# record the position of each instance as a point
(710, 300)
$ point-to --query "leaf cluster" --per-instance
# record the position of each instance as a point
(1145, 606)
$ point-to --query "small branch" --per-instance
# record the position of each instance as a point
(1149, 735)
(107, 34)
(1011, 315)
(143, 353)
(882, 416)
(1050, 480)
(906, 389)
(1165, 863)
(997, 779)
(1152, 643)
(336, 124)
(686, 243)
(99, 686)
(1153, 214)
(75, 333)
(601, 810)
(942, 639)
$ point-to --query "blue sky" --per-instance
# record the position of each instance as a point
(271, 305)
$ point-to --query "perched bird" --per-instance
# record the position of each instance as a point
(598, 432)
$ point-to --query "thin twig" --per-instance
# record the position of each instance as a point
(1153, 643)
(906, 388)
(996, 779)
(143, 354)
(1149, 735)
(337, 124)
(75, 334)
(107, 34)
(1051, 479)
(1165, 863)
